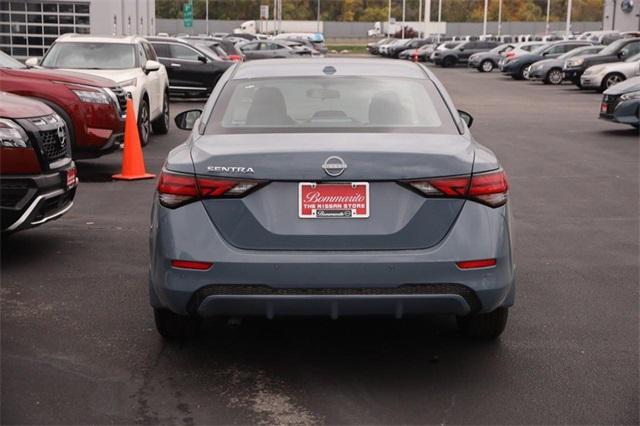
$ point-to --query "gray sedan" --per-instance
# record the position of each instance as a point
(330, 187)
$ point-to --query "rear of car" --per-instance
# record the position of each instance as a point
(330, 187)
(37, 176)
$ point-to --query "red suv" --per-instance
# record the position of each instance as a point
(37, 176)
(92, 107)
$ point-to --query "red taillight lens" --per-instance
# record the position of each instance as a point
(476, 264)
(510, 54)
(488, 188)
(235, 58)
(191, 264)
(175, 190)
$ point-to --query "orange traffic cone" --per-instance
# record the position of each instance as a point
(132, 160)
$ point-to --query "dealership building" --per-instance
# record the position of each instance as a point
(621, 15)
(28, 27)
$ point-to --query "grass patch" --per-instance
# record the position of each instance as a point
(352, 48)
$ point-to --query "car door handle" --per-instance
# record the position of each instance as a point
(176, 65)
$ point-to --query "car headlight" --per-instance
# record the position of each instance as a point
(12, 135)
(575, 62)
(132, 82)
(630, 95)
(92, 96)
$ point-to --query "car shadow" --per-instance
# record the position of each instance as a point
(622, 132)
(25, 247)
(89, 171)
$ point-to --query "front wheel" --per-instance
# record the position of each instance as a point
(554, 76)
(487, 326)
(172, 326)
(611, 80)
(144, 122)
(487, 66)
(162, 123)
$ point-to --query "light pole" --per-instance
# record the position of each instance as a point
(419, 11)
(548, 10)
(389, 19)
(404, 14)
(427, 16)
(206, 15)
(568, 28)
(318, 25)
(484, 24)
(500, 18)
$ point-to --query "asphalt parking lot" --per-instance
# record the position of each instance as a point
(79, 344)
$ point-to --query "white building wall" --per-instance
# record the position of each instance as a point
(621, 15)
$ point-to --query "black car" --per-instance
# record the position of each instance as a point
(621, 103)
(461, 53)
(615, 52)
(231, 52)
(192, 70)
(517, 67)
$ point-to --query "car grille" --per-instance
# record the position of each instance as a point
(53, 147)
(121, 97)
(408, 289)
(13, 191)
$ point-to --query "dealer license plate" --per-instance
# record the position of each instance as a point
(348, 200)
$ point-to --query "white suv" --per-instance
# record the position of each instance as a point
(130, 61)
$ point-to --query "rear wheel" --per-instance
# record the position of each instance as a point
(161, 124)
(144, 122)
(611, 80)
(554, 76)
(172, 326)
(487, 66)
(487, 326)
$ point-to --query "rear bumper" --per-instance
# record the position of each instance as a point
(274, 283)
(31, 200)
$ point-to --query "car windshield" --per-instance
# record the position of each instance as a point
(500, 48)
(613, 47)
(576, 52)
(7, 61)
(339, 104)
(76, 55)
(538, 50)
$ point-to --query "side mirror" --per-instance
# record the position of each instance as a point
(186, 120)
(466, 117)
(202, 59)
(462, 49)
(32, 62)
(151, 66)
(622, 54)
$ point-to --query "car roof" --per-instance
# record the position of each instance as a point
(82, 38)
(316, 67)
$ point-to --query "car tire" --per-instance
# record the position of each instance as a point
(488, 326)
(610, 80)
(486, 66)
(144, 122)
(448, 61)
(161, 124)
(554, 76)
(519, 74)
(173, 326)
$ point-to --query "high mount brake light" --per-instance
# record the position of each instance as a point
(175, 190)
(489, 188)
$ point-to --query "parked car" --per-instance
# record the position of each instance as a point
(384, 48)
(488, 61)
(37, 175)
(621, 103)
(602, 77)
(517, 67)
(128, 60)
(314, 41)
(461, 53)
(268, 49)
(615, 52)
(395, 50)
(522, 48)
(549, 71)
(276, 177)
(93, 108)
(231, 52)
(193, 70)
(373, 47)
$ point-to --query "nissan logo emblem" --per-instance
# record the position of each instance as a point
(334, 166)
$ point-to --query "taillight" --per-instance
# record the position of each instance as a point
(489, 188)
(510, 55)
(175, 190)
(235, 58)
(191, 264)
(477, 264)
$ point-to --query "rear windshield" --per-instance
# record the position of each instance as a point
(90, 56)
(334, 104)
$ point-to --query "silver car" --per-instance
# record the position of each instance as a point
(330, 187)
